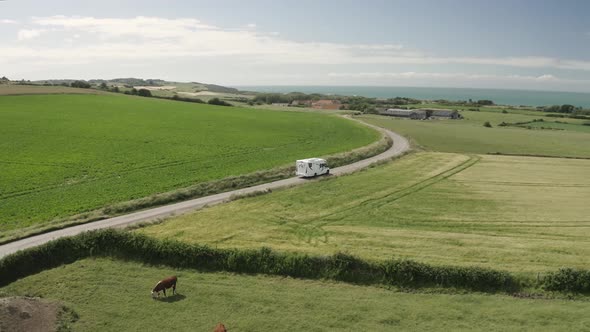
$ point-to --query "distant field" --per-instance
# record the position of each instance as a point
(10, 89)
(560, 126)
(520, 214)
(470, 136)
(65, 154)
(114, 296)
(494, 108)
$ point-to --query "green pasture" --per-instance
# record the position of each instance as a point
(110, 295)
(470, 136)
(521, 214)
(525, 110)
(65, 154)
(560, 126)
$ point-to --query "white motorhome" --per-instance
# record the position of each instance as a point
(311, 167)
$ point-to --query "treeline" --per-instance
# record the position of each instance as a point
(470, 102)
(357, 103)
(284, 98)
(565, 109)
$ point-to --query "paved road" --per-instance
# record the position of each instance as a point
(400, 146)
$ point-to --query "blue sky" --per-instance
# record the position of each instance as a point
(489, 44)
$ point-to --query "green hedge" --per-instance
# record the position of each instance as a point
(568, 280)
(342, 267)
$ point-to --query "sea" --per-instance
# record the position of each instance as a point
(498, 96)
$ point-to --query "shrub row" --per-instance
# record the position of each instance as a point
(568, 280)
(341, 267)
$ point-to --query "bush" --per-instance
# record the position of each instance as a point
(568, 280)
(144, 93)
(80, 84)
(487, 124)
(219, 102)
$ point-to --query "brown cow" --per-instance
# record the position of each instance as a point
(162, 285)
(220, 328)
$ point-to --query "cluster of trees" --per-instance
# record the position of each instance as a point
(218, 102)
(4, 79)
(80, 84)
(270, 98)
(566, 108)
(188, 100)
(361, 104)
(470, 102)
(140, 92)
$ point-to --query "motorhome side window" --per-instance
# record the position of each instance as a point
(309, 164)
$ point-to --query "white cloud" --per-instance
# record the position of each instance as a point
(25, 34)
(5, 21)
(154, 37)
(144, 41)
(546, 77)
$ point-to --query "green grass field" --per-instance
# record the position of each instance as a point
(65, 154)
(470, 136)
(115, 296)
(521, 214)
(559, 126)
(495, 108)
(14, 90)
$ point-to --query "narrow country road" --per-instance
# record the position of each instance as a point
(400, 146)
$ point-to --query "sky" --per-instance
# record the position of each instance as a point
(516, 44)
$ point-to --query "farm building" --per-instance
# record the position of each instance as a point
(401, 113)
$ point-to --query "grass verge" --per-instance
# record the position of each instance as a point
(113, 295)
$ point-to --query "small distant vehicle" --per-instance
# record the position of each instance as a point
(311, 167)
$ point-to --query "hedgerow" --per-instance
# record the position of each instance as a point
(568, 280)
(341, 267)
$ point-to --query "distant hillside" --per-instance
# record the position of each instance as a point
(133, 82)
(217, 88)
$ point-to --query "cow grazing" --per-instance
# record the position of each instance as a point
(162, 285)
(220, 328)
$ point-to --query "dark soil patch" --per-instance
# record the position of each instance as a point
(28, 314)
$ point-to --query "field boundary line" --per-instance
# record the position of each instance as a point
(533, 155)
